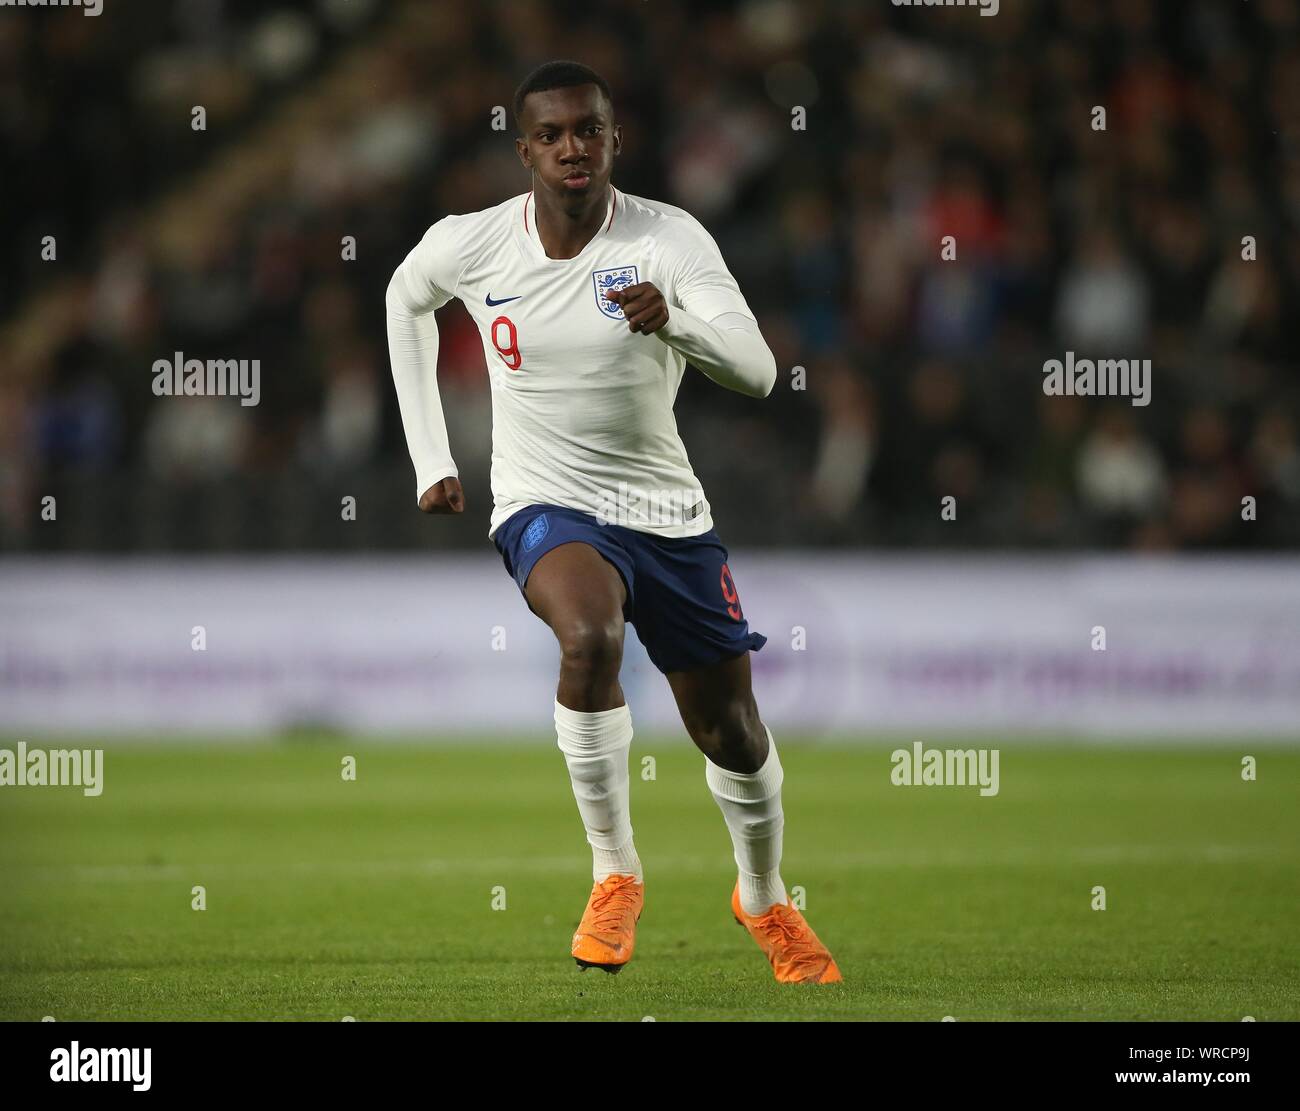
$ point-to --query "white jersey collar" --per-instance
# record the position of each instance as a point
(528, 224)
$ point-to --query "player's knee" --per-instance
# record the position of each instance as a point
(591, 648)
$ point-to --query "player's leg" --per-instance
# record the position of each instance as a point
(745, 776)
(718, 709)
(581, 596)
(687, 613)
(741, 768)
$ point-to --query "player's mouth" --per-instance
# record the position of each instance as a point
(576, 179)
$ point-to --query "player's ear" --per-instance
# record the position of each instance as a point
(618, 139)
(521, 148)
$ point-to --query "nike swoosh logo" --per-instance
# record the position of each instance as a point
(503, 300)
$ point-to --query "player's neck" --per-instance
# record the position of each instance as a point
(566, 230)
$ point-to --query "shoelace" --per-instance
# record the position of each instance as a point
(781, 926)
(611, 905)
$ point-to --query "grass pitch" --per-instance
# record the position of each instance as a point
(374, 898)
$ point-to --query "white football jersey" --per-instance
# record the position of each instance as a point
(582, 408)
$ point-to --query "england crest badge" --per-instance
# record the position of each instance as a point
(536, 532)
(619, 277)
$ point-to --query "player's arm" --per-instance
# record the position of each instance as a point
(710, 324)
(729, 349)
(424, 282)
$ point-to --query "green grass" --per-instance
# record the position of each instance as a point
(373, 898)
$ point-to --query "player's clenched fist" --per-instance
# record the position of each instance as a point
(445, 496)
(644, 307)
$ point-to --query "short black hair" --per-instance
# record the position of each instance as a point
(558, 75)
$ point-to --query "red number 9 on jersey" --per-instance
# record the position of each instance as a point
(513, 359)
(730, 595)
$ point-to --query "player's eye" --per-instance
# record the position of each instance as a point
(594, 130)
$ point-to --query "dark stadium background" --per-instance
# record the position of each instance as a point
(372, 119)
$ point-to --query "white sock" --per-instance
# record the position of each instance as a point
(596, 747)
(751, 805)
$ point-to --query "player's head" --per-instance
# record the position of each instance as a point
(567, 134)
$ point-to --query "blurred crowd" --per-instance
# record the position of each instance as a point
(337, 131)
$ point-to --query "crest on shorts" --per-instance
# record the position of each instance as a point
(536, 532)
(619, 277)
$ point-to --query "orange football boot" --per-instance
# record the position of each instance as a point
(607, 933)
(791, 947)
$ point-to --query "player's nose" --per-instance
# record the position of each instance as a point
(573, 150)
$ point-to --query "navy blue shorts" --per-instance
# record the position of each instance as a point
(681, 598)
